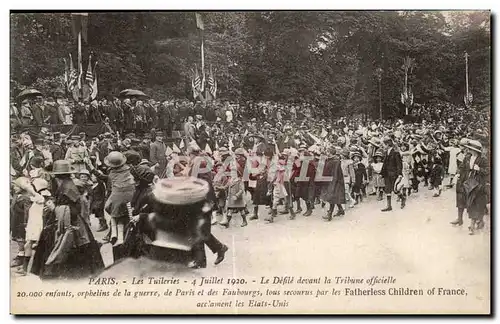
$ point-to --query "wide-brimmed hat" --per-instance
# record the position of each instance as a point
(379, 154)
(75, 138)
(62, 167)
(180, 190)
(474, 145)
(115, 159)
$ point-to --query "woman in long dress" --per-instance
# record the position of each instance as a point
(67, 248)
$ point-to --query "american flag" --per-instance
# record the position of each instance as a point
(196, 83)
(73, 75)
(212, 84)
(89, 77)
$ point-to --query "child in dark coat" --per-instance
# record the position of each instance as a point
(360, 177)
(437, 175)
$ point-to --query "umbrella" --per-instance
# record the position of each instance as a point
(28, 93)
(132, 93)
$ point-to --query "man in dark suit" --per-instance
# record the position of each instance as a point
(392, 171)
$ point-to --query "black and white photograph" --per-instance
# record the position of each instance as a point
(250, 162)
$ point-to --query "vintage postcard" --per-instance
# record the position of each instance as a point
(250, 162)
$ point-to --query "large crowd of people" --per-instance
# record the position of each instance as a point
(279, 154)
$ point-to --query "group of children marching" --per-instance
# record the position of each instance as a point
(362, 174)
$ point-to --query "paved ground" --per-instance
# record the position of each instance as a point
(416, 245)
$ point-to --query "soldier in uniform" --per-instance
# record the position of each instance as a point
(157, 154)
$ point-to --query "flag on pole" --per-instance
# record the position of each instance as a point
(196, 82)
(176, 149)
(73, 75)
(66, 72)
(80, 67)
(181, 144)
(199, 22)
(94, 84)
(212, 84)
(89, 77)
(168, 151)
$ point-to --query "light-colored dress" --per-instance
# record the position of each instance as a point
(377, 179)
(452, 164)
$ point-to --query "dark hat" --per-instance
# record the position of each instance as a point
(62, 167)
(75, 138)
(144, 173)
(38, 141)
(132, 157)
(159, 133)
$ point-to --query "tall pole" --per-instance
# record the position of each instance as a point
(380, 96)
(202, 61)
(378, 73)
(466, 76)
(80, 72)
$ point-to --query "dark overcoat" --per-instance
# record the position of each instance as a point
(333, 191)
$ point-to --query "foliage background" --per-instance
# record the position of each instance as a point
(328, 58)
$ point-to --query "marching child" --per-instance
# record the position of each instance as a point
(437, 175)
(235, 200)
(278, 188)
(377, 179)
(360, 177)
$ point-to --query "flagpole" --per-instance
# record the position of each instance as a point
(80, 61)
(466, 77)
(202, 61)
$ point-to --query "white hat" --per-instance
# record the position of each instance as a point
(180, 190)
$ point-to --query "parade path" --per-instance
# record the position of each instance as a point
(416, 245)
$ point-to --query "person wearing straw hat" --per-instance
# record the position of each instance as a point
(74, 253)
(473, 177)
(122, 187)
(392, 170)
